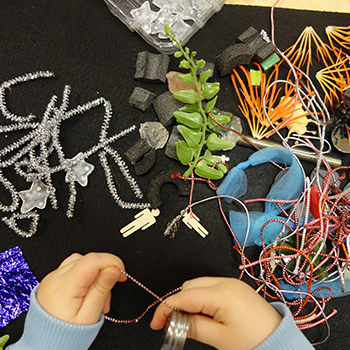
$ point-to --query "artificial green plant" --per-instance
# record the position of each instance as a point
(195, 126)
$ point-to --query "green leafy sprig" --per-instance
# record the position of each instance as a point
(195, 126)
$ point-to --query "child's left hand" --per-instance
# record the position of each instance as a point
(80, 289)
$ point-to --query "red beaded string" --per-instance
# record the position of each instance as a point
(157, 301)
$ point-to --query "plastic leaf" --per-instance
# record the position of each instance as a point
(189, 108)
(186, 78)
(207, 172)
(192, 120)
(214, 143)
(204, 76)
(191, 136)
(200, 64)
(167, 29)
(210, 92)
(184, 153)
(221, 167)
(185, 64)
(211, 85)
(211, 124)
(222, 119)
(189, 96)
(210, 105)
(211, 160)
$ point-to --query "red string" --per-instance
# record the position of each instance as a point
(157, 301)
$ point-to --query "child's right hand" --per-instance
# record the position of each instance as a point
(226, 313)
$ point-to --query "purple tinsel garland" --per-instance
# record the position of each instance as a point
(16, 283)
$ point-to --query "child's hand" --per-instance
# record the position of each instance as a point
(80, 289)
(227, 313)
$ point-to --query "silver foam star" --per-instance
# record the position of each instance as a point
(35, 197)
(79, 171)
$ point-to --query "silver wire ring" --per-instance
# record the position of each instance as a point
(176, 330)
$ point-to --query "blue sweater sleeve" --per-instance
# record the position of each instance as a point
(43, 331)
(287, 335)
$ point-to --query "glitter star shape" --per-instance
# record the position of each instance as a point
(80, 171)
(35, 197)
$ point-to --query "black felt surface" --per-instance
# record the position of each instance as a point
(91, 50)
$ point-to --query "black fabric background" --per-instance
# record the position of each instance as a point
(91, 50)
